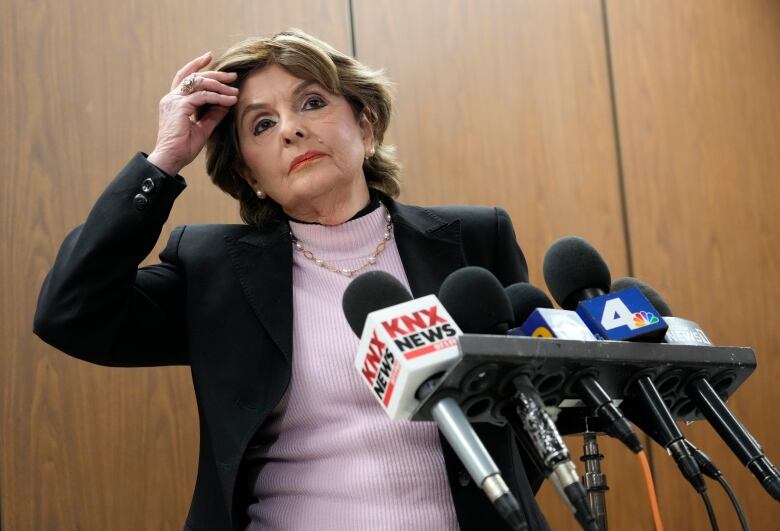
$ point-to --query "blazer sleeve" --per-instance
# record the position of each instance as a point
(95, 303)
(510, 266)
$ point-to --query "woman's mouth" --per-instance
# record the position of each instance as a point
(305, 159)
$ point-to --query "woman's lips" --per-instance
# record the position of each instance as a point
(304, 160)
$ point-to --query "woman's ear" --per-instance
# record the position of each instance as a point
(246, 175)
(367, 134)
(253, 183)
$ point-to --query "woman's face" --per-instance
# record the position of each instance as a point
(301, 145)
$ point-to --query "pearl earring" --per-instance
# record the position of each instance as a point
(260, 194)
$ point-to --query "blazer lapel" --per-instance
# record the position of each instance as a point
(263, 263)
(430, 247)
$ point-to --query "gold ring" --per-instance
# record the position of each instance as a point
(188, 85)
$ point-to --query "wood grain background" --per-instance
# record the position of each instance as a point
(698, 99)
(650, 128)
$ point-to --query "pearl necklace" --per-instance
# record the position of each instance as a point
(371, 260)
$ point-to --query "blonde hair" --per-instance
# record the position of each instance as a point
(309, 58)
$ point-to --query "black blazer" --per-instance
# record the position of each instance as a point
(220, 301)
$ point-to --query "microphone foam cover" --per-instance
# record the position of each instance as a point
(652, 295)
(525, 298)
(370, 292)
(571, 265)
(476, 300)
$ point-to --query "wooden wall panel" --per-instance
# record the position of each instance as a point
(508, 103)
(86, 447)
(503, 103)
(497, 103)
(697, 87)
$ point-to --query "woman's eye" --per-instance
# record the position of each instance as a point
(314, 102)
(262, 125)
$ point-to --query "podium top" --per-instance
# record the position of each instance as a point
(481, 380)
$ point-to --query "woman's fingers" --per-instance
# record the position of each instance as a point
(223, 77)
(190, 68)
(215, 86)
(210, 83)
(203, 97)
(179, 138)
(211, 119)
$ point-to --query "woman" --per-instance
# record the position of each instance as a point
(289, 436)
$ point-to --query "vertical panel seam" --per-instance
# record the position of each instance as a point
(618, 146)
(351, 26)
(621, 179)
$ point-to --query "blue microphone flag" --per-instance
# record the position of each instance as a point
(561, 324)
(623, 315)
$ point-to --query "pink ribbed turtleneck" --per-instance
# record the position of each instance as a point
(328, 457)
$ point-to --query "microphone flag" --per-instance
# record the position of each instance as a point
(401, 347)
(623, 315)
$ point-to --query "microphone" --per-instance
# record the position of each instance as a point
(477, 300)
(404, 348)
(574, 271)
(544, 321)
(524, 299)
(578, 276)
(652, 295)
(714, 409)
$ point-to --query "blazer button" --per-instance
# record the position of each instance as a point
(463, 478)
(147, 186)
(141, 202)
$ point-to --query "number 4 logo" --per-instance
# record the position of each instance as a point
(617, 314)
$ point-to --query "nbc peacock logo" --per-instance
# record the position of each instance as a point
(644, 318)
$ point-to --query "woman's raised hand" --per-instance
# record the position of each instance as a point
(179, 136)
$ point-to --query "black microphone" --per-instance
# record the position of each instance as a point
(575, 271)
(527, 300)
(652, 295)
(391, 317)
(478, 303)
(524, 298)
(714, 409)
(576, 274)
(369, 292)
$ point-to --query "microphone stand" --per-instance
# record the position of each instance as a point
(594, 481)
(527, 416)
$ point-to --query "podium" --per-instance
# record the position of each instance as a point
(481, 380)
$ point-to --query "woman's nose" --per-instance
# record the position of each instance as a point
(292, 130)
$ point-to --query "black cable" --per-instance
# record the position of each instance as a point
(710, 470)
(734, 502)
(710, 511)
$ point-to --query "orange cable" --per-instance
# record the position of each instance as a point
(659, 526)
